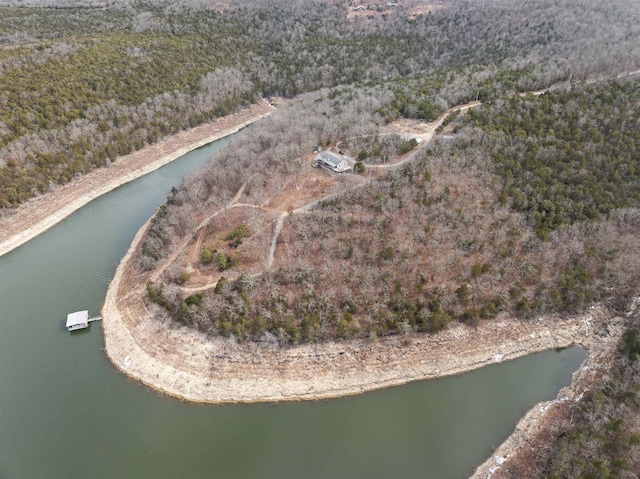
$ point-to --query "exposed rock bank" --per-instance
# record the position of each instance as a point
(184, 363)
(602, 344)
(39, 214)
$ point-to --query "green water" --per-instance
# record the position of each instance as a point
(66, 413)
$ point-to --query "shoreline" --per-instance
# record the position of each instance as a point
(191, 366)
(540, 419)
(41, 213)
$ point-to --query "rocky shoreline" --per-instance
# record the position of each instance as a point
(189, 365)
(602, 347)
(41, 213)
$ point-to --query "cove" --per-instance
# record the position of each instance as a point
(65, 412)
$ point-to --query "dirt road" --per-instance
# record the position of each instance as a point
(184, 363)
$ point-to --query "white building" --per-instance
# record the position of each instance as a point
(331, 161)
(77, 320)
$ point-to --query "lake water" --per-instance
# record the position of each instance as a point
(65, 412)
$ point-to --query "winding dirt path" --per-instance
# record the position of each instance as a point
(426, 140)
(185, 242)
(274, 241)
(185, 363)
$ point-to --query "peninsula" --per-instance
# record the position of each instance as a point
(444, 186)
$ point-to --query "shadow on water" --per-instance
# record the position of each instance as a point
(78, 332)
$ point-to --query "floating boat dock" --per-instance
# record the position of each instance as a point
(80, 320)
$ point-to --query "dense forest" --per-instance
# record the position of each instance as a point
(578, 167)
(527, 205)
(438, 239)
(84, 85)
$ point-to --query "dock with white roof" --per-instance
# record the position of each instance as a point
(80, 320)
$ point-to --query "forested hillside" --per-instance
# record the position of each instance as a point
(527, 205)
(82, 86)
(441, 238)
(577, 167)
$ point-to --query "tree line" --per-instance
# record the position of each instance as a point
(432, 241)
(84, 85)
(579, 166)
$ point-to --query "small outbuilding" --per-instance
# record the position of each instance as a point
(332, 162)
(77, 320)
